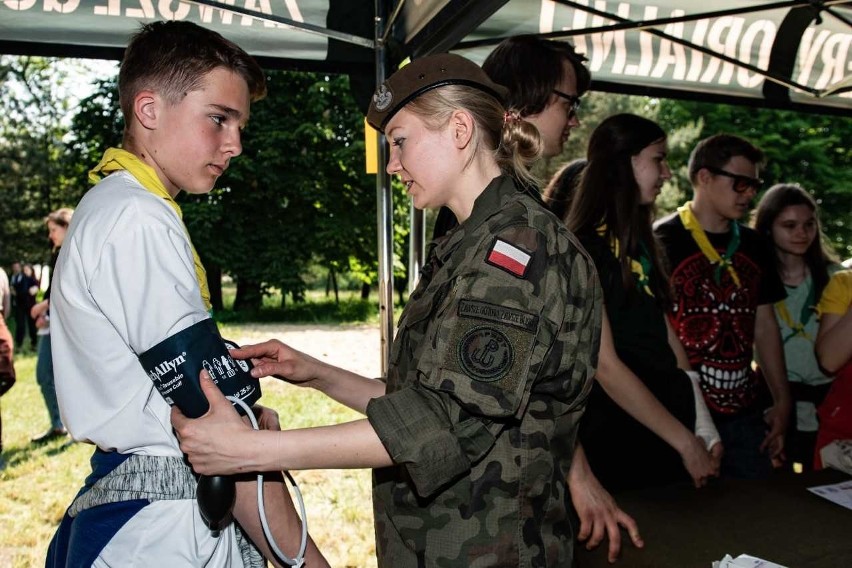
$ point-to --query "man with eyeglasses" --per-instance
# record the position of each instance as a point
(545, 80)
(724, 286)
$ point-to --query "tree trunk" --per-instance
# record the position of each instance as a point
(333, 275)
(249, 297)
(365, 291)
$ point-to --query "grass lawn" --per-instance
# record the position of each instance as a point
(39, 482)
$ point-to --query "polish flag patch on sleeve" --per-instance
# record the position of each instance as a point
(509, 258)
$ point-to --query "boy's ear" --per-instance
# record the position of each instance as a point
(146, 105)
(702, 177)
(461, 127)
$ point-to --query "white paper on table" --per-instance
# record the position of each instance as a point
(745, 561)
(840, 493)
(838, 454)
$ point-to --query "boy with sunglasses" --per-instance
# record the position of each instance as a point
(724, 286)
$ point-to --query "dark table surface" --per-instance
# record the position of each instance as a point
(777, 519)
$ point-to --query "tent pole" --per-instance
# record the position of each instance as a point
(416, 246)
(384, 209)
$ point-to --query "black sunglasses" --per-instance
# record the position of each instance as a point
(741, 183)
(573, 101)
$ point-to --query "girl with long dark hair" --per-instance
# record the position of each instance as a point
(611, 212)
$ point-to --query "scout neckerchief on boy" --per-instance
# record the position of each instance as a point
(691, 223)
(641, 269)
(808, 308)
(115, 160)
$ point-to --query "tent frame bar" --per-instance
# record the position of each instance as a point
(309, 28)
(391, 21)
(626, 24)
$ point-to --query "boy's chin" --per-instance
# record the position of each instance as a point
(197, 190)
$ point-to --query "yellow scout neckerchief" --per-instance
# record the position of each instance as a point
(691, 223)
(641, 269)
(116, 159)
(798, 328)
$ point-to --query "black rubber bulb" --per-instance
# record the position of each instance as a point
(216, 495)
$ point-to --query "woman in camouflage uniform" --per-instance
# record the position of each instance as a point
(472, 433)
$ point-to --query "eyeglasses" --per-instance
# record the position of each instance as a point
(741, 183)
(573, 101)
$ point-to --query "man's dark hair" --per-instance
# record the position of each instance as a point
(716, 151)
(173, 58)
(531, 67)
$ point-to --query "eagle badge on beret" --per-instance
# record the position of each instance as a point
(382, 98)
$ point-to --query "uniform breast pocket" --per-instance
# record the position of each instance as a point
(414, 337)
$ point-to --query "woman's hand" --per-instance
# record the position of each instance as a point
(600, 516)
(218, 443)
(717, 450)
(701, 464)
(275, 359)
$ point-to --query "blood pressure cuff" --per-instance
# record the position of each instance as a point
(174, 365)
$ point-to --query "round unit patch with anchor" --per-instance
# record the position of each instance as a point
(486, 354)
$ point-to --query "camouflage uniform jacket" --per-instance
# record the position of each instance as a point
(488, 376)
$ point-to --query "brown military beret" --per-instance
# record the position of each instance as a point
(425, 74)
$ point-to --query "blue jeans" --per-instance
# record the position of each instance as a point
(741, 436)
(44, 377)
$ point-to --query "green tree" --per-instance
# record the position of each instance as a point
(34, 106)
(96, 126)
(297, 195)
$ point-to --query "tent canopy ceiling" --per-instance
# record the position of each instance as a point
(784, 54)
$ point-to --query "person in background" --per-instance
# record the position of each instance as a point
(724, 285)
(834, 351)
(562, 187)
(57, 226)
(787, 215)
(545, 82)
(16, 275)
(638, 427)
(472, 436)
(7, 351)
(24, 287)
